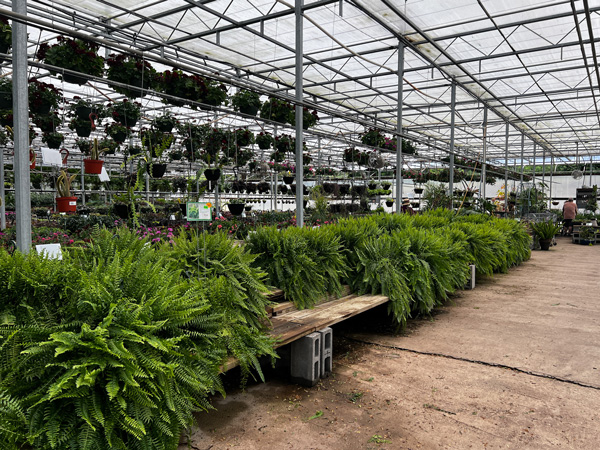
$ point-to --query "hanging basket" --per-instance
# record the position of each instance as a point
(93, 166)
(84, 131)
(122, 210)
(248, 208)
(74, 79)
(158, 170)
(236, 208)
(418, 190)
(119, 137)
(249, 110)
(212, 174)
(66, 204)
(389, 204)
(288, 180)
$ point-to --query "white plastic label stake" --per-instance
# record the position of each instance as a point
(51, 251)
(104, 175)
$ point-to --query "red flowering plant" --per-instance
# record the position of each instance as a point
(131, 70)
(178, 84)
(373, 137)
(43, 96)
(125, 112)
(309, 118)
(73, 54)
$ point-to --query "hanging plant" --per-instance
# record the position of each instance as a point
(216, 93)
(352, 155)
(6, 118)
(82, 109)
(154, 138)
(373, 137)
(243, 137)
(264, 140)
(6, 93)
(309, 118)
(109, 145)
(306, 159)
(53, 140)
(5, 36)
(84, 145)
(118, 132)
(285, 143)
(47, 123)
(165, 123)
(131, 70)
(42, 97)
(277, 156)
(246, 102)
(83, 128)
(178, 84)
(125, 112)
(73, 54)
(408, 147)
(277, 110)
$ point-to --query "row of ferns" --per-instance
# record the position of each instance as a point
(117, 345)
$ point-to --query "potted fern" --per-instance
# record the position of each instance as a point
(246, 102)
(65, 202)
(545, 231)
(93, 164)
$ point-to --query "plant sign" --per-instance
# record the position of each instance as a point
(199, 211)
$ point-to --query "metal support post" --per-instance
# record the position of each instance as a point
(544, 171)
(551, 174)
(452, 123)
(484, 156)
(522, 151)
(147, 177)
(534, 158)
(2, 196)
(506, 169)
(399, 158)
(275, 189)
(82, 183)
(299, 112)
(216, 198)
(21, 129)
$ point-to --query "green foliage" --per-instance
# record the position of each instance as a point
(237, 292)
(120, 357)
(545, 230)
(304, 263)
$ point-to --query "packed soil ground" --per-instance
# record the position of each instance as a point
(513, 364)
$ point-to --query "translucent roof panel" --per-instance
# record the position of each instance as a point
(530, 63)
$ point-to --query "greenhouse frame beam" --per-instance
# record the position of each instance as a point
(399, 140)
(299, 114)
(442, 51)
(240, 24)
(21, 130)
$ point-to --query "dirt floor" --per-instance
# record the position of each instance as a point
(513, 364)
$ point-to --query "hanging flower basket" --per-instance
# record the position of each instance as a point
(5, 36)
(73, 54)
(53, 140)
(264, 140)
(418, 190)
(126, 112)
(288, 179)
(389, 203)
(42, 97)
(93, 166)
(131, 70)
(277, 110)
(66, 204)
(246, 102)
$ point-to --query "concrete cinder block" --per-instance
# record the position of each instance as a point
(326, 351)
(306, 360)
(472, 272)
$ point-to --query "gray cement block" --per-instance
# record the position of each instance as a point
(472, 272)
(326, 351)
(306, 360)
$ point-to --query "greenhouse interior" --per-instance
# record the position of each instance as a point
(303, 224)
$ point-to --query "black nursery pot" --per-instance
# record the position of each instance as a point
(288, 180)
(212, 174)
(122, 210)
(158, 170)
(236, 208)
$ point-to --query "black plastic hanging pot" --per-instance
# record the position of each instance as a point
(212, 174)
(236, 208)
